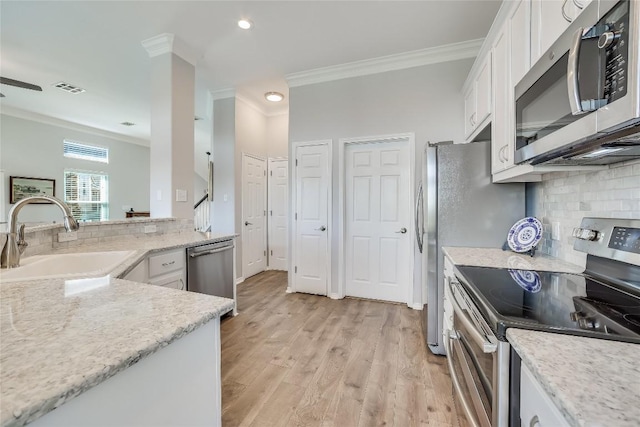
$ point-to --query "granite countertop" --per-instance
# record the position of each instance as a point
(61, 337)
(496, 257)
(593, 382)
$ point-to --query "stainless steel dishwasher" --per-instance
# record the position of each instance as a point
(210, 269)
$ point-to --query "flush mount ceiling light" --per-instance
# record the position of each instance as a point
(274, 96)
(245, 24)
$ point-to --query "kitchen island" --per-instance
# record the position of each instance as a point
(106, 351)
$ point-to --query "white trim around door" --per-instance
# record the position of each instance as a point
(409, 139)
(294, 256)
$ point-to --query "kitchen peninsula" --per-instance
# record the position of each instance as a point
(107, 351)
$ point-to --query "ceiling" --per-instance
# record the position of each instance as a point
(96, 45)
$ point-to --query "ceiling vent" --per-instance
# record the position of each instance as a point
(69, 88)
(127, 124)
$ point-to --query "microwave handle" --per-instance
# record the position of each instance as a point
(572, 74)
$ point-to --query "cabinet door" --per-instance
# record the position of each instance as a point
(536, 408)
(520, 39)
(175, 280)
(483, 92)
(501, 129)
(469, 110)
(549, 19)
(139, 272)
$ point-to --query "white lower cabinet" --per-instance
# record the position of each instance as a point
(536, 407)
(447, 303)
(166, 268)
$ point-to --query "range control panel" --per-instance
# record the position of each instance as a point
(611, 238)
(625, 239)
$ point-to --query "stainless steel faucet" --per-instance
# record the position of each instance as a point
(15, 244)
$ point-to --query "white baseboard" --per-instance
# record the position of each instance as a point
(416, 306)
(239, 280)
(290, 291)
(335, 296)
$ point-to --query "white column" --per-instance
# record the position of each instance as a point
(172, 114)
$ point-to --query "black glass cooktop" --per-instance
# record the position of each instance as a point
(555, 302)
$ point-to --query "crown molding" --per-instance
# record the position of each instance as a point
(223, 94)
(415, 58)
(169, 43)
(48, 120)
(251, 103)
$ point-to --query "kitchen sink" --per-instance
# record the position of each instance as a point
(65, 265)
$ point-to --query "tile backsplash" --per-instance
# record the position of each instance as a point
(44, 239)
(567, 197)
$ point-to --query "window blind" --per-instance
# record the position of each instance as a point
(87, 195)
(76, 150)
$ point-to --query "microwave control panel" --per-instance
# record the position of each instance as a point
(614, 41)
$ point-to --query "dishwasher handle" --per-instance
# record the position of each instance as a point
(213, 251)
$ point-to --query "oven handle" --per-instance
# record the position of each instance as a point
(479, 337)
(572, 74)
(456, 382)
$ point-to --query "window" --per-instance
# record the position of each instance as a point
(87, 194)
(86, 152)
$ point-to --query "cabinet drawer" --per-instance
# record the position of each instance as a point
(167, 262)
(172, 280)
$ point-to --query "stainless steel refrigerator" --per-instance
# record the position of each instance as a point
(459, 206)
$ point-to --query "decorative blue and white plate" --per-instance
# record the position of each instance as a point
(527, 280)
(525, 234)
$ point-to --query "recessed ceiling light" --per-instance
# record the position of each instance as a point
(245, 24)
(274, 96)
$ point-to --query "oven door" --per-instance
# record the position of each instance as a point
(478, 364)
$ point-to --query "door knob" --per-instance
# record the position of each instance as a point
(402, 230)
(322, 228)
(247, 223)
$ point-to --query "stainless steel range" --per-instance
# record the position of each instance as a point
(602, 302)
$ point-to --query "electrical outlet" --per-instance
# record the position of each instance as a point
(159, 194)
(225, 198)
(67, 237)
(555, 230)
(150, 228)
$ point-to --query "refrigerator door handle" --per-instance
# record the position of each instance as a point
(419, 220)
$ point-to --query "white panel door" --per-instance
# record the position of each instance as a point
(254, 209)
(311, 218)
(378, 246)
(278, 213)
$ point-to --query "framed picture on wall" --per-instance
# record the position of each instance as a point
(21, 187)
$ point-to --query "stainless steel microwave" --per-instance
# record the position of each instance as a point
(580, 104)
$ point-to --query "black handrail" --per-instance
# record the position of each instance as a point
(200, 201)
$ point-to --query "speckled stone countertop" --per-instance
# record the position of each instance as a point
(61, 337)
(496, 257)
(594, 383)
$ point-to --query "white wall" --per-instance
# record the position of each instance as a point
(224, 139)
(33, 149)
(567, 197)
(278, 135)
(424, 100)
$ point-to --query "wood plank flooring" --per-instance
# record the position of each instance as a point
(306, 360)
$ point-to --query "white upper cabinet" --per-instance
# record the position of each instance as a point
(501, 125)
(477, 100)
(549, 19)
(520, 35)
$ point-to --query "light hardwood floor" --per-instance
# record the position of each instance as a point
(306, 360)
